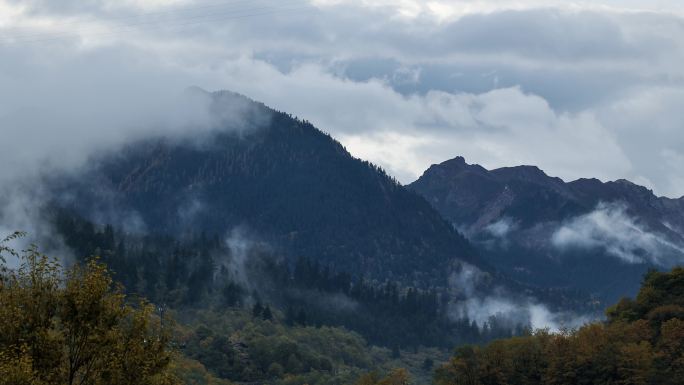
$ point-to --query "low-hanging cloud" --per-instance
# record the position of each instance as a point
(477, 299)
(501, 228)
(241, 245)
(58, 117)
(94, 102)
(610, 228)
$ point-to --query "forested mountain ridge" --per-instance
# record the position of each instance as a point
(281, 178)
(591, 235)
(268, 209)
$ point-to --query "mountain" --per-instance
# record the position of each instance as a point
(596, 236)
(279, 179)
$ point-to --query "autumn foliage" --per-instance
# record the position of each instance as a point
(75, 327)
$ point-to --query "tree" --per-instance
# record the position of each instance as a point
(266, 313)
(75, 326)
(300, 319)
(428, 363)
(398, 376)
(671, 350)
(257, 310)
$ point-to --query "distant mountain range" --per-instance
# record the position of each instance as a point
(586, 234)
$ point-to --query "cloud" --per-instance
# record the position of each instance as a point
(569, 87)
(501, 228)
(648, 121)
(245, 263)
(241, 245)
(57, 115)
(405, 134)
(20, 213)
(610, 228)
(477, 299)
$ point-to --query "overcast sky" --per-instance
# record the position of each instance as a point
(579, 88)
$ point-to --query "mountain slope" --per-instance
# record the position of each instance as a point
(281, 179)
(585, 234)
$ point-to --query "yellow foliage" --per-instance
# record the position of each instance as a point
(75, 326)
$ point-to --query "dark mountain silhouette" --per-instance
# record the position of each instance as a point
(539, 229)
(280, 178)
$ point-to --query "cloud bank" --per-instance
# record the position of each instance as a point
(611, 229)
(582, 89)
(478, 300)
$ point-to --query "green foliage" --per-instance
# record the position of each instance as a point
(661, 298)
(74, 326)
(235, 345)
(395, 377)
(641, 343)
(192, 372)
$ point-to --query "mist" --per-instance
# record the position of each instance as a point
(477, 298)
(62, 110)
(78, 106)
(609, 227)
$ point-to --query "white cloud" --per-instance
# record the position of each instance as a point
(610, 228)
(501, 228)
(500, 127)
(477, 300)
(582, 89)
(56, 115)
(449, 9)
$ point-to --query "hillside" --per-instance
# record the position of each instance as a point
(587, 234)
(281, 180)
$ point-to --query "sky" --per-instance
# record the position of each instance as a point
(578, 88)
